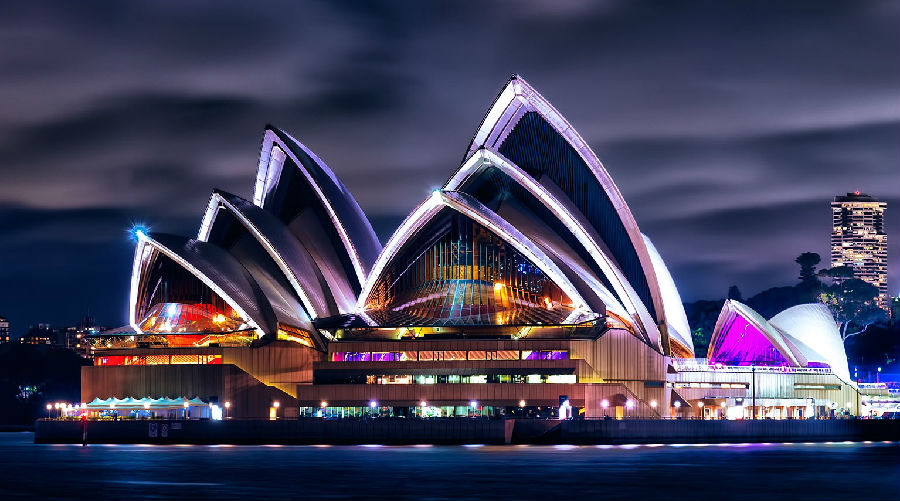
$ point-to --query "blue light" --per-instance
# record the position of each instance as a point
(139, 231)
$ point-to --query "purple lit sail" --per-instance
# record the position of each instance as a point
(742, 343)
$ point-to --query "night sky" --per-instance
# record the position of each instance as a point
(727, 126)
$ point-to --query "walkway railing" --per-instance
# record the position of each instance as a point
(703, 365)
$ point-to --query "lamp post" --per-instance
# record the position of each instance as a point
(49, 408)
(700, 406)
(187, 409)
(753, 385)
(227, 406)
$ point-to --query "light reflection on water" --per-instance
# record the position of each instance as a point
(630, 471)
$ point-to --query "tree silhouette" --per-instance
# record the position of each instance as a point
(853, 303)
(838, 274)
(808, 262)
(735, 293)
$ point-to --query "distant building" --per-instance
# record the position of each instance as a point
(40, 334)
(74, 338)
(4, 330)
(858, 239)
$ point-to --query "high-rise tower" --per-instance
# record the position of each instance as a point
(858, 239)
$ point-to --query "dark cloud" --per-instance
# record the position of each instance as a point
(727, 126)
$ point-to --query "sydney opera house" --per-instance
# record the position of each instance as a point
(523, 287)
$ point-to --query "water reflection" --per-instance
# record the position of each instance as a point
(630, 471)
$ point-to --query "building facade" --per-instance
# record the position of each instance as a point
(4, 330)
(858, 239)
(523, 287)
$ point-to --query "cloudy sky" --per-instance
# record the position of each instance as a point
(728, 126)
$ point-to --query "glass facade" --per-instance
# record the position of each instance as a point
(179, 317)
(167, 359)
(288, 333)
(325, 378)
(241, 338)
(432, 411)
(447, 355)
(457, 272)
(173, 300)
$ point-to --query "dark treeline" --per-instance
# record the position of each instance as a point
(32, 376)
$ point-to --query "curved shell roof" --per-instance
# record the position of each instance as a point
(528, 131)
(285, 250)
(676, 319)
(802, 334)
(517, 103)
(217, 269)
(721, 332)
(325, 254)
(360, 245)
(567, 235)
(812, 329)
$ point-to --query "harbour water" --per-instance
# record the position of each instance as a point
(843, 470)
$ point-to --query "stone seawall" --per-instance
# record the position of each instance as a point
(297, 431)
(396, 431)
(692, 432)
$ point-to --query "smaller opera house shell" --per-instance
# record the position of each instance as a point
(524, 282)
